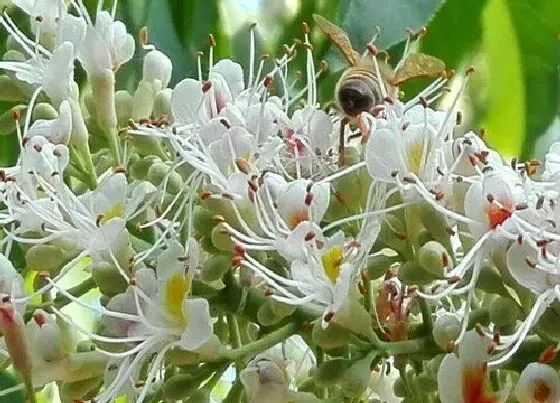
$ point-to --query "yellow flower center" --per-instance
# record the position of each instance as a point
(415, 154)
(116, 211)
(331, 263)
(176, 287)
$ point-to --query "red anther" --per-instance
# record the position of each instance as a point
(470, 70)
(143, 35)
(328, 316)
(305, 27)
(16, 114)
(450, 347)
(268, 292)
(422, 101)
(38, 148)
(205, 195)
(206, 86)
(239, 250)
(496, 338)
(132, 281)
(439, 196)
(535, 163)
(236, 261)
(354, 244)
(308, 199)
(453, 280)
(310, 236)
(542, 243)
(530, 262)
(472, 159)
(372, 49)
(400, 237)
(39, 319)
(519, 239)
(252, 186)
(268, 80)
(376, 110)
(490, 198)
(408, 179)
(479, 330)
(548, 355)
(98, 220)
(389, 100)
(444, 259)
(120, 169)
(363, 275)
(361, 289)
(211, 40)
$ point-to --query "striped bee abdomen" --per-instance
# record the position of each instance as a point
(357, 91)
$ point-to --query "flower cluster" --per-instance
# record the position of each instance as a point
(397, 256)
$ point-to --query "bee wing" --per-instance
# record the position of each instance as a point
(338, 37)
(418, 65)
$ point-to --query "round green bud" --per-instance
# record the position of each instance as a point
(281, 309)
(203, 220)
(208, 246)
(433, 257)
(331, 372)
(108, 279)
(393, 233)
(139, 169)
(215, 267)
(423, 237)
(357, 377)
(221, 239)
(123, 103)
(432, 366)
(426, 383)
(10, 91)
(266, 315)
(399, 388)
(221, 330)
(490, 281)
(378, 265)
(46, 258)
(13, 55)
(412, 273)
(157, 174)
(143, 101)
(162, 104)
(45, 111)
(179, 386)
(434, 222)
(446, 329)
(333, 336)
(103, 164)
(74, 391)
(504, 312)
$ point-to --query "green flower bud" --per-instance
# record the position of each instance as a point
(399, 388)
(10, 91)
(393, 233)
(446, 329)
(157, 173)
(123, 102)
(491, 281)
(412, 273)
(215, 267)
(423, 237)
(221, 239)
(179, 386)
(74, 391)
(433, 257)
(85, 346)
(426, 383)
(333, 336)
(208, 246)
(432, 366)
(46, 258)
(139, 169)
(378, 265)
(45, 111)
(108, 279)
(435, 222)
(331, 372)
(221, 330)
(143, 102)
(280, 308)
(503, 312)
(177, 356)
(103, 164)
(203, 220)
(88, 364)
(358, 376)
(162, 104)
(266, 315)
(103, 89)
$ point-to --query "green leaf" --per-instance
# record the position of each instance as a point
(523, 57)
(7, 380)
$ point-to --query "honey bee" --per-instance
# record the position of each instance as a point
(359, 89)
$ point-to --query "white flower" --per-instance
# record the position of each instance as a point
(538, 383)
(157, 69)
(58, 130)
(265, 379)
(11, 284)
(552, 163)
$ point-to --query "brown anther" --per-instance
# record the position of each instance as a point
(309, 236)
(535, 163)
(472, 159)
(490, 198)
(16, 114)
(519, 239)
(542, 243)
(496, 338)
(143, 35)
(372, 49)
(308, 199)
(139, 384)
(490, 349)
(6, 299)
(444, 259)
(205, 195)
(522, 206)
(211, 40)
(39, 319)
(530, 262)
(24, 141)
(450, 347)
(44, 275)
(389, 100)
(459, 118)
(299, 75)
(405, 126)
(548, 355)
(228, 196)
(268, 292)
(144, 121)
(361, 289)
(120, 169)
(479, 330)
(236, 261)
(449, 230)
(239, 250)
(206, 86)
(242, 165)
(252, 186)
(399, 236)
(38, 148)
(470, 70)
(98, 220)
(328, 316)
(450, 74)
(377, 109)
(132, 125)
(268, 80)
(481, 132)
(39, 18)
(132, 281)
(453, 280)
(265, 56)
(408, 179)
(540, 202)
(439, 196)
(57, 153)
(422, 101)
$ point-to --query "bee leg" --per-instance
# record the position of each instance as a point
(341, 140)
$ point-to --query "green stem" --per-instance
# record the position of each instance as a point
(320, 358)
(234, 394)
(368, 295)
(112, 136)
(29, 388)
(426, 316)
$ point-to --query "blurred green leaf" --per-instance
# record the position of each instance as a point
(523, 55)
(7, 380)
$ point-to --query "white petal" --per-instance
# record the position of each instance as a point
(186, 100)
(199, 323)
(233, 74)
(168, 263)
(518, 259)
(449, 379)
(383, 155)
(538, 383)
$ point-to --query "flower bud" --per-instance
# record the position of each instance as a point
(412, 273)
(10, 91)
(378, 265)
(123, 103)
(357, 377)
(13, 330)
(265, 379)
(446, 329)
(215, 267)
(393, 233)
(157, 173)
(266, 315)
(143, 102)
(221, 239)
(179, 386)
(331, 372)
(44, 111)
(108, 279)
(503, 312)
(103, 163)
(435, 222)
(86, 365)
(162, 105)
(74, 391)
(281, 309)
(399, 388)
(221, 330)
(103, 88)
(490, 281)
(203, 220)
(157, 69)
(139, 169)
(330, 337)
(538, 383)
(433, 258)
(47, 258)
(85, 346)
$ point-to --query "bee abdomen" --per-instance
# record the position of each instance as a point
(358, 90)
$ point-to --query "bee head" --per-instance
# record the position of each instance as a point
(357, 94)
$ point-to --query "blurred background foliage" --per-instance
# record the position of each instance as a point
(513, 44)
